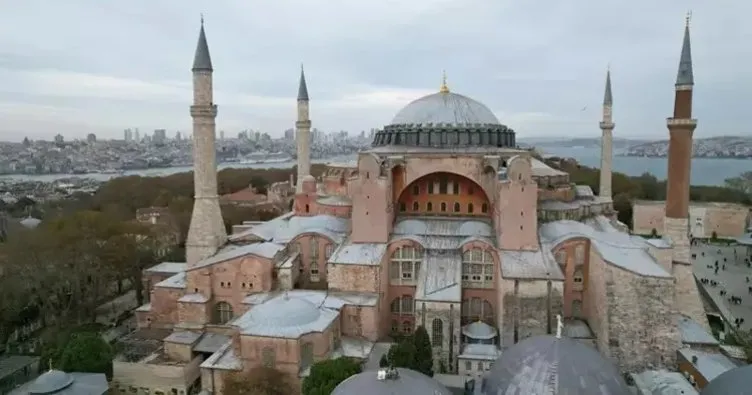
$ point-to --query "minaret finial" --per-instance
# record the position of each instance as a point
(50, 363)
(202, 59)
(608, 99)
(559, 326)
(688, 18)
(202, 19)
(302, 86)
(685, 76)
(444, 88)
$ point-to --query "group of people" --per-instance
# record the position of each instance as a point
(720, 264)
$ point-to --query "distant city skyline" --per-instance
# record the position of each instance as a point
(90, 67)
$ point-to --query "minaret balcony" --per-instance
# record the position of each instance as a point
(204, 111)
(303, 124)
(607, 125)
(681, 122)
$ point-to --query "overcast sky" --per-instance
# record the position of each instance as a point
(81, 66)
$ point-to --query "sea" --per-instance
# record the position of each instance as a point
(705, 171)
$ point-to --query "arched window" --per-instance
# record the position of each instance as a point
(429, 206)
(470, 208)
(313, 269)
(222, 313)
(484, 208)
(477, 309)
(307, 208)
(437, 331)
(404, 265)
(416, 189)
(477, 268)
(443, 207)
(403, 305)
(268, 357)
(416, 206)
(456, 207)
(306, 355)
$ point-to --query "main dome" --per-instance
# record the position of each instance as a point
(445, 108)
(445, 120)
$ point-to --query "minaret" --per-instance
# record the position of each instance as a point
(681, 126)
(303, 132)
(207, 230)
(607, 140)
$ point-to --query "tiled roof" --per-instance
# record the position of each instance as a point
(285, 316)
(348, 253)
(443, 227)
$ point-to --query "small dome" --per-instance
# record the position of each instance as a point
(51, 381)
(401, 381)
(479, 330)
(309, 178)
(286, 311)
(30, 222)
(551, 365)
(733, 382)
(447, 108)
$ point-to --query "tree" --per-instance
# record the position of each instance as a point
(383, 361)
(326, 375)
(402, 355)
(423, 351)
(258, 381)
(742, 183)
(87, 352)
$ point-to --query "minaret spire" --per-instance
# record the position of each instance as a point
(303, 132)
(302, 87)
(607, 140)
(206, 233)
(202, 59)
(685, 76)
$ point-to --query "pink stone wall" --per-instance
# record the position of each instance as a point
(304, 243)
(575, 292)
(516, 208)
(233, 280)
(373, 211)
(164, 306)
(595, 303)
(354, 278)
(195, 313)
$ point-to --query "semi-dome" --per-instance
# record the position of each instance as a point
(30, 222)
(553, 365)
(286, 311)
(390, 382)
(445, 120)
(446, 108)
(736, 381)
(51, 381)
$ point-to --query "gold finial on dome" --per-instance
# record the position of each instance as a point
(444, 88)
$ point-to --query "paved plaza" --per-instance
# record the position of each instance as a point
(735, 279)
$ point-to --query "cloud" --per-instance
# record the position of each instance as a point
(90, 66)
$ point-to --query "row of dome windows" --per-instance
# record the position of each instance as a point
(442, 186)
(444, 207)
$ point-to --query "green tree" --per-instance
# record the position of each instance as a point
(258, 381)
(742, 183)
(326, 375)
(423, 351)
(383, 361)
(87, 352)
(403, 354)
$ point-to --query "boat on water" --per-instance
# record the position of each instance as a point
(265, 157)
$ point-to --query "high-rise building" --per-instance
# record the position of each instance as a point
(128, 135)
(159, 137)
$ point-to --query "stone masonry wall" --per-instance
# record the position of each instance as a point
(529, 308)
(643, 332)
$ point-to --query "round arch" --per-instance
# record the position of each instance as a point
(443, 193)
